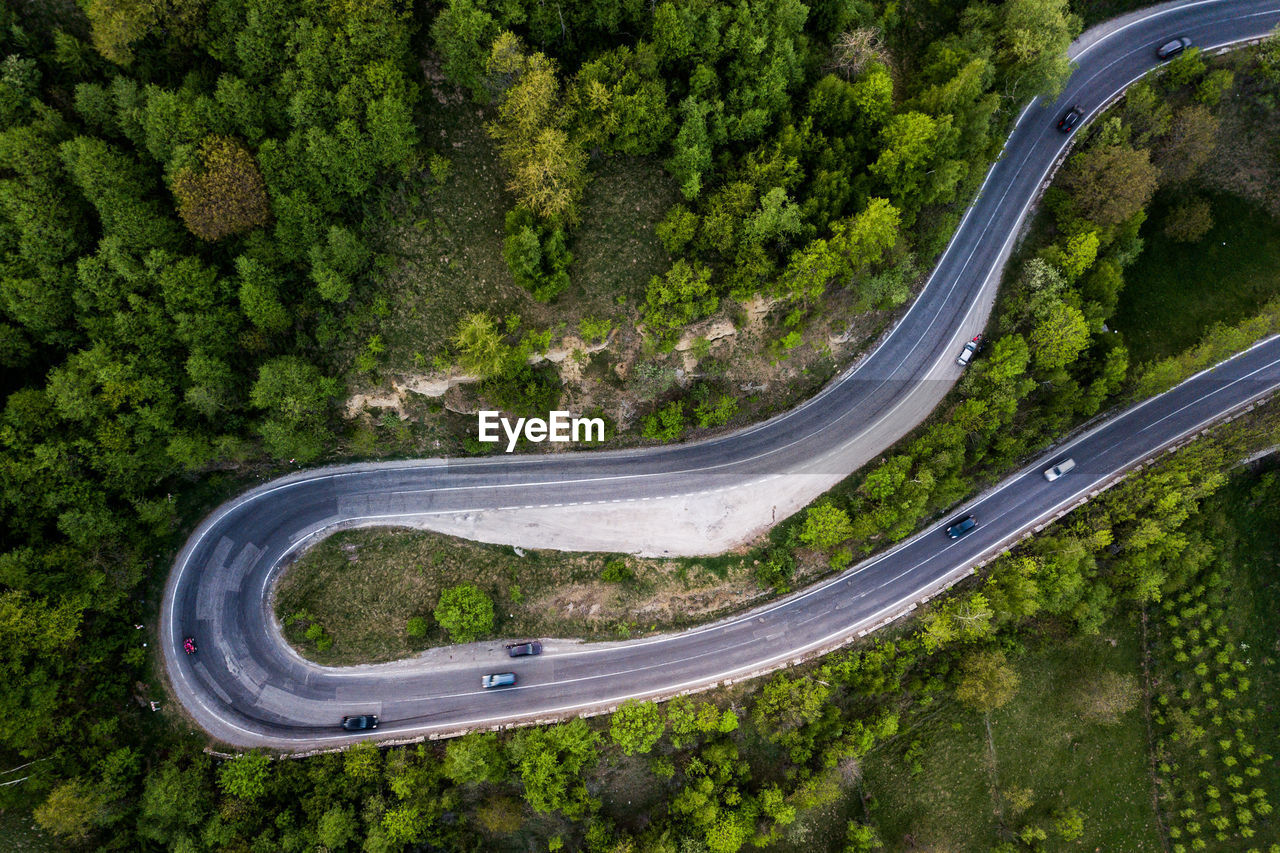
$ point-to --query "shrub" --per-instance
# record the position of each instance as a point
(464, 612)
(776, 568)
(1189, 220)
(416, 627)
(666, 424)
(616, 571)
(718, 413)
(825, 526)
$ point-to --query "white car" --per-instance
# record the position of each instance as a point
(970, 348)
(1058, 470)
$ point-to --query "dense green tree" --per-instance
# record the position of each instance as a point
(547, 171)
(465, 612)
(914, 164)
(679, 297)
(618, 102)
(245, 776)
(481, 348)
(259, 295)
(117, 186)
(825, 526)
(536, 255)
(1032, 37)
(71, 811)
(1192, 137)
(463, 33)
(636, 726)
(337, 263)
(118, 25)
(701, 129)
(337, 827)
(1188, 220)
(550, 761)
(174, 801)
(477, 757)
(1109, 184)
(297, 397)
(1059, 336)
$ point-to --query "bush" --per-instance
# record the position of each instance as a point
(616, 571)
(537, 256)
(465, 613)
(1189, 220)
(776, 569)
(416, 627)
(718, 413)
(666, 424)
(825, 526)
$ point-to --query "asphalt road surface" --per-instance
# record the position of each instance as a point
(246, 687)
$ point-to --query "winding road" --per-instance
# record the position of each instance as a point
(247, 688)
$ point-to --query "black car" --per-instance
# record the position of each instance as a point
(1170, 49)
(961, 526)
(1070, 119)
(519, 650)
(364, 722)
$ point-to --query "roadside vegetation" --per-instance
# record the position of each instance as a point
(373, 596)
(220, 222)
(1053, 360)
(998, 719)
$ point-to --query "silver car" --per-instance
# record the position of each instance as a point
(498, 679)
(1058, 470)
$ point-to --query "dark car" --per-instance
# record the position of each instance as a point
(361, 723)
(961, 526)
(519, 650)
(498, 679)
(1070, 119)
(1170, 49)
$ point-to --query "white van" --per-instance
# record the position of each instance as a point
(1058, 470)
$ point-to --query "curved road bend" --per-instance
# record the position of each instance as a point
(247, 688)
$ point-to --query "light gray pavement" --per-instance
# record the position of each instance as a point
(247, 688)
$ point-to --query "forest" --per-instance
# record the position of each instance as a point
(197, 203)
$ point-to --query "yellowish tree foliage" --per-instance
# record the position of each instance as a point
(223, 192)
(547, 169)
(118, 25)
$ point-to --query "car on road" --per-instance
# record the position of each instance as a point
(361, 723)
(961, 526)
(1170, 49)
(1058, 470)
(970, 348)
(1070, 118)
(519, 650)
(498, 679)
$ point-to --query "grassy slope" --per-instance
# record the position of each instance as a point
(1244, 518)
(1176, 291)
(449, 244)
(1041, 743)
(362, 586)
